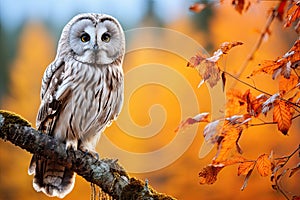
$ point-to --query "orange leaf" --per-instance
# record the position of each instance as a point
(282, 115)
(202, 117)
(254, 106)
(228, 145)
(230, 161)
(268, 67)
(292, 14)
(226, 46)
(294, 170)
(287, 84)
(245, 167)
(235, 102)
(208, 175)
(263, 164)
(293, 54)
(282, 65)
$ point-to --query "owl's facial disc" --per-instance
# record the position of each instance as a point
(96, 43)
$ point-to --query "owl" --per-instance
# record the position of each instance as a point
(81, 94)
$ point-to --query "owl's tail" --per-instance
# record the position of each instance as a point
(49, 177)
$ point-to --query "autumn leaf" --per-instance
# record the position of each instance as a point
(197, 7)
(282, 115)
(268, 67)
(226, 46)
(207, 67)
(294, 170)
(293, 55)
(245, 167)
(287, 84)
(228, 144)
(255, 105)
(263, 165)
(280, 9)
(241, 5)
(239, 119)
(235, 102)
(281, 66)
(208, 175)
(210, 72)
(278, 164)
(269, 103)
(196, 60)
(230, 161)
(292, 14)
(211, 130)
(202, 117)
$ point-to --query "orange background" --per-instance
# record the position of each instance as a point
(36, 49)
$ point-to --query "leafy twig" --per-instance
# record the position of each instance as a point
(259, 90)
(265, 123)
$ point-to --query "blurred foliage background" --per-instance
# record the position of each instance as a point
(28, 38)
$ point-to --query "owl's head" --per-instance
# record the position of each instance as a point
(93, 39)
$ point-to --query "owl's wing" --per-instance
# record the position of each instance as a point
(51, 92)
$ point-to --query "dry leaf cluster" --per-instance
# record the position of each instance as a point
(243, 106)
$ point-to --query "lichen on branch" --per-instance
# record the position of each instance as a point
(106, 173)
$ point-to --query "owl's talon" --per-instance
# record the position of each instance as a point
(87, 151)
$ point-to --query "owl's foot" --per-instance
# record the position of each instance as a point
(89, 151)
(71, 144)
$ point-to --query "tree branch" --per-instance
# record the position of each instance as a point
(264, 32)
(106, 173)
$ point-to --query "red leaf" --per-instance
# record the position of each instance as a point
(197, 7)
(280, 9)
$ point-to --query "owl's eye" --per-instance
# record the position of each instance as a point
(85, 37)
(105, 37)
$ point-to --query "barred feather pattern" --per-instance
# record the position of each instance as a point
(89, 99)
(78, 101)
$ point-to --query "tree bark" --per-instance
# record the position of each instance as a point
(106, 173)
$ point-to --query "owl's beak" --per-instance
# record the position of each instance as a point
(95, 47)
